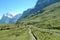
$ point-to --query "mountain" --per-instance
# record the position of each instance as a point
(9, 18)
(38, 7)
(48, 19)
(42, 4)
(6, 18)
(15, 18)
(25, 13)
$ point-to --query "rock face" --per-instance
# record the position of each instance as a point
(6, 18)
(9, 18)
(15, 18)
(38, 7)
(42, 4)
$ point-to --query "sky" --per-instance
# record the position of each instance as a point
(15, 6)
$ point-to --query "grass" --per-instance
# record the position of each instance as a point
(20, 33)
(43, 35)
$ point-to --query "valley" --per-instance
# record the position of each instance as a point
(44, 25)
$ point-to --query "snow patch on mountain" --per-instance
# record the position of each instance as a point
(9, 15)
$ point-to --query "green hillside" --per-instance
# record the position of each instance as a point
(49, 18)
(41, 26)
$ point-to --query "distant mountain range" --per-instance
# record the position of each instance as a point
(8, 18)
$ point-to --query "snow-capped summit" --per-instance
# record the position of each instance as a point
(9, 15)
(9, 18)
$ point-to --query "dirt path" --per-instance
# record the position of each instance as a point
(31, 35)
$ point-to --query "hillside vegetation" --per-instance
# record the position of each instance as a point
(49, 18)
(43, 25)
